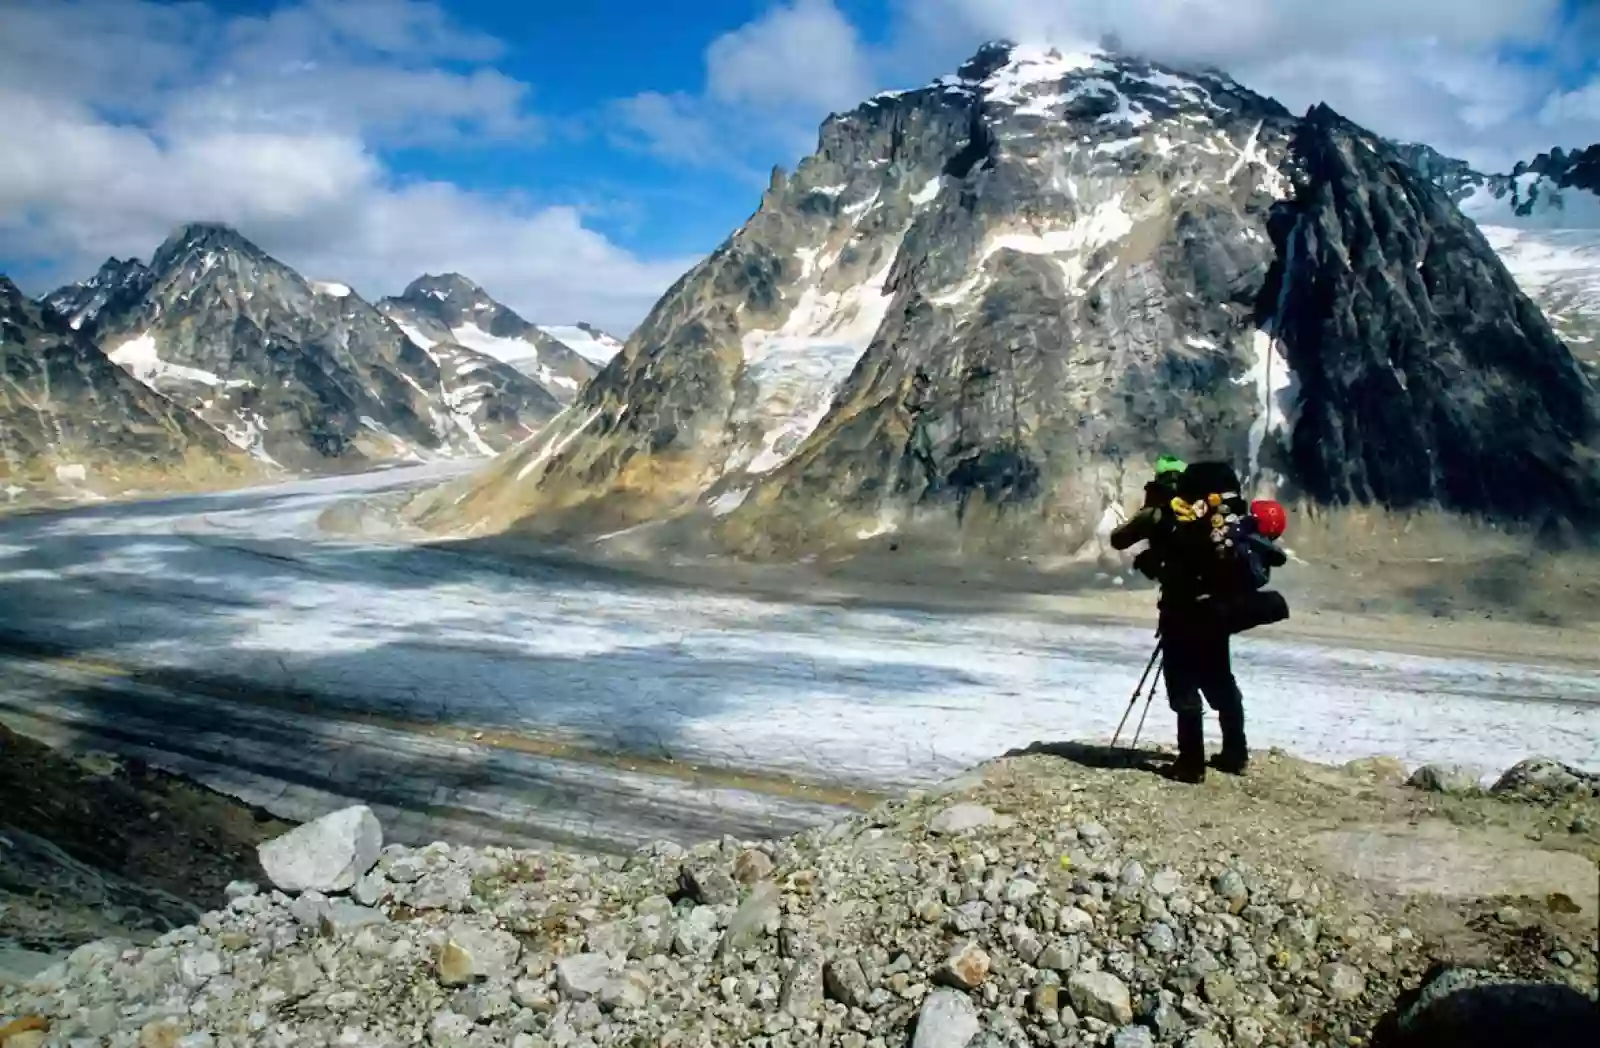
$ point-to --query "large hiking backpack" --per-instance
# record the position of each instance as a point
(1211, 533)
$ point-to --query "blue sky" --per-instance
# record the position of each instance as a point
(575, 158)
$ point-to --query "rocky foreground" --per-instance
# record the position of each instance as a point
(1035, 901)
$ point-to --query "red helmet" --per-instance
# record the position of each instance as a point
(1270, 516)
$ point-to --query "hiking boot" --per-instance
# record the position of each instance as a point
(1230, 763)
(1190, 767)
(1235, 755)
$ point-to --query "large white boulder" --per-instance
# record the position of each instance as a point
(326, 855)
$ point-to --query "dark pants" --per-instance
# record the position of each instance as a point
(1194, 644)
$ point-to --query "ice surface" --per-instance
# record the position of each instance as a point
(597, 350)
(1558, 267)
(505, 350)
(798, 368)
(243, 584)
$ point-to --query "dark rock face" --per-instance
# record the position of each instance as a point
(117, 286)
(452, 309)
(1425, 375)
(981, 309)
(71, 421)
(303, 375)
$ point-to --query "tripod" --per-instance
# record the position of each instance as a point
(1155, 658)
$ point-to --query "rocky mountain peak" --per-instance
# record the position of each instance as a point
(976, 313)
(117, 283)
(450, 309)
(199, 238)
(443, 287)
(307, 376)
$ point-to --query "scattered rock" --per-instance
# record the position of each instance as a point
(1343, 982)
(1383, 770)
(709, 885)
(1101, 995)
(751, 866)
(1133, 1037)
(946, 1020)
(1166, 882)
(325, 855)
(802, 994)
(845, 982)
(1073, 921)
(343, 918)
(965, 968)
(962, 817)
(1230, 886)
(1446, 778)
(584, 976)
(455, 965)
(240, 890)
(1542, 779)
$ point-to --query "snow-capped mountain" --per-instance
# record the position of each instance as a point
(72, 423)
(303, 375)
(1544, 220)
(981, 308)
(586, 340)
(452, 310)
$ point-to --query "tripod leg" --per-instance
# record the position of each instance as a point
(1154, 685)
(1134, 700)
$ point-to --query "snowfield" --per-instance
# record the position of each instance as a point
(243, 585)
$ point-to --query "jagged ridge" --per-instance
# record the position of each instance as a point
(307, 376)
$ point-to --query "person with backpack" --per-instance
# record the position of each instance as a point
(1212, 554)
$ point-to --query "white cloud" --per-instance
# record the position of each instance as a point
(124, 120)
(805, 53)
(768, 84)
(1434, 70)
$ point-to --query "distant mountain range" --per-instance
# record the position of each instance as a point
(299, 376)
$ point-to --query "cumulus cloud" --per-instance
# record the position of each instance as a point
(124, 120)
(1457, 74)
(805, 53)
(1490, 81)
(767, 84)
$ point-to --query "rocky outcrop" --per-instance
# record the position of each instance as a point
(74, 425)
(452, 310)
(303, 375)
(977, 313)
(1104, 910)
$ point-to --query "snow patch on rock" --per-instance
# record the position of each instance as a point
(597, 348)
(798, 368)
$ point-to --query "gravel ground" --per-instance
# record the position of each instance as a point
(1037, 900)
